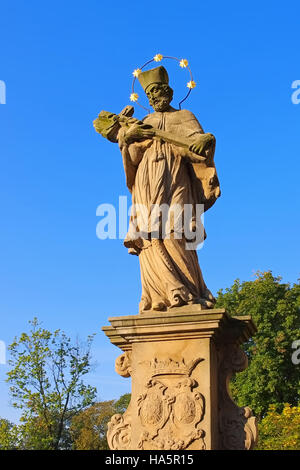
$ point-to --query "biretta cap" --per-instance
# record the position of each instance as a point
(157, 75)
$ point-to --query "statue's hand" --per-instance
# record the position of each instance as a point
(138, 131)
(204, 141)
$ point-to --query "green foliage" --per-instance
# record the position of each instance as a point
(89, 428)
(280, 431)
(46, 379)
(9, 435)
(46, 383)
(271, 377)
(86, 430)
(121, 405)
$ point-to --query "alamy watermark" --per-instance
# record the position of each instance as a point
(159, 221)
(2, 352)
(296, 94)
(2, 92)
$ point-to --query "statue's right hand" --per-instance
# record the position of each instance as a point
(138, 131)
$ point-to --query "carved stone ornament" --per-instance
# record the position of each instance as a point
(170, 410)
(119, 427)
(123, 364)
(237, 425)
(181, 401)
(119, 431)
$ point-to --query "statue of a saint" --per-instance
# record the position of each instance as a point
(168, 162)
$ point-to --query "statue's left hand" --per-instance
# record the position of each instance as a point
(203, 142)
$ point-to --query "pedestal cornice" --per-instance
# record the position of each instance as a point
(181, 323)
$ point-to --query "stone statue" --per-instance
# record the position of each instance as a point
(180, 363)
(168, 162)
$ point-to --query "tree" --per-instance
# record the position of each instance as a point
(280, 431)
(272, 377)
(9, 435)
(46, 382)
(121, 405)
(89, 428)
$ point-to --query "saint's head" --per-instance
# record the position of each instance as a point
(155, 83)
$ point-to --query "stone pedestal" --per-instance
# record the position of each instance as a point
(180, 363)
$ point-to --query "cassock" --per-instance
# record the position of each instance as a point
(162, 175)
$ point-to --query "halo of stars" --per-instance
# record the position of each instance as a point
(183, 63)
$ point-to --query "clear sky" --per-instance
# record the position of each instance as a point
(62, 63)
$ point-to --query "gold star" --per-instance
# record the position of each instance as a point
(183, 63)
(191, 84)
(134, 97)
(158, 57)
(136, 72)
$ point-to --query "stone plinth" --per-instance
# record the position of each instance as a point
(180, 363)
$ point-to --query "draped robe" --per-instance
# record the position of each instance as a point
(160, 173)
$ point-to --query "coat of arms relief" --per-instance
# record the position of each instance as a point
(170, 409)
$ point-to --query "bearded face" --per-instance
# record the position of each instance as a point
(160, 97)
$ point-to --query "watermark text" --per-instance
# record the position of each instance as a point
(159, 221)
(296, 94)
(2, 352)
(296, 353)
(2, 92)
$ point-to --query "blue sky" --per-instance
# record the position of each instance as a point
(62, 63)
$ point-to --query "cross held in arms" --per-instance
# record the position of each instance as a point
(108, 125)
